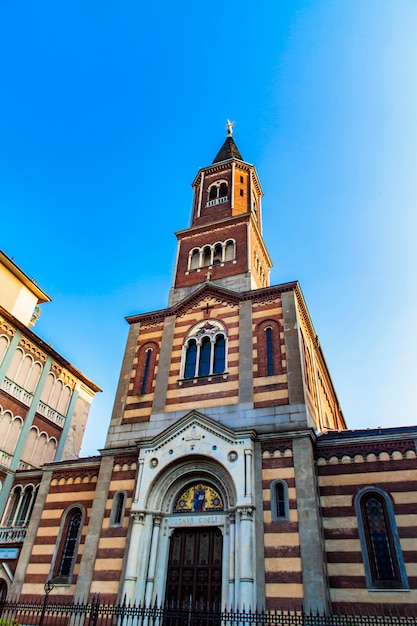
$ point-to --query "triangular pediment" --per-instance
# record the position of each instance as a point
(194, 433)
(203, 294)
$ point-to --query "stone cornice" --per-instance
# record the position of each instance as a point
(48, 349)
(225, 165)
(211, 289)
(213, 226)
(302, 309)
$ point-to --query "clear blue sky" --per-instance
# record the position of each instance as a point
(108, 109)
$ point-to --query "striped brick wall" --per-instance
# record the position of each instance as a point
(138, 406)
(392, 467)
(222, 388)
(68, 487)
(319, 392)
(269, 390)
(283, 574)
(111, 549)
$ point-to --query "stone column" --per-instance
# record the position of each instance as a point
(133, 557)
(316, 593)
(292, 349)
(245, 352)
(246, 558)
(161, 383)
(85, 576)
(150, 579)
(248, 473)
(232, 542)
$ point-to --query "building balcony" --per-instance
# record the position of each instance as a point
(5, 459)
(51, 414)
(10, 387)
(217, 201)
(17, 392)
(12, 534)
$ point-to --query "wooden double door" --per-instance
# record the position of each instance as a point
(194, 576)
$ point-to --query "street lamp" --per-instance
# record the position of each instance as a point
(48, 586)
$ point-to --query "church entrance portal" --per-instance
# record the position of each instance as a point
(194, 577)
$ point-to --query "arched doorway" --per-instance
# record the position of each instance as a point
(194, 569)
(194, 575)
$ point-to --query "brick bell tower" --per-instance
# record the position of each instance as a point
(224, 243)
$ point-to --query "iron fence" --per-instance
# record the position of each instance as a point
(97, 613)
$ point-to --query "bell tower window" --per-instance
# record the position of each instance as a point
(217, 193)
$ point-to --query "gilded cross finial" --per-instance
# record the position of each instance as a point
(229, 127)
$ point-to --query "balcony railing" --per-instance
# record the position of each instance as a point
(17, 392)
(217, 201)
(13, 534)
(26, 398)
(5, 458)
(51, 414)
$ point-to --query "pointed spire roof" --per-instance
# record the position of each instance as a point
(229, 150)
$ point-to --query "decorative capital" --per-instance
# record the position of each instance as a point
(138, 517)
(246, 513)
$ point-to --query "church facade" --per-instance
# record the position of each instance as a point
(228, 475)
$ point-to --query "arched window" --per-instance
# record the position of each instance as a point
(218, 254)
(229, 251)
(207, 256)
(223, 190)
(219, 363)
(25, 507)
(195, 259)
(205, 350)
(380, 543)
(269, 351)
(279, 500)
(146, 371)
(4, 344)
(217, 193)
(118, 509)
(13, 505)
(68, 546)
(205, 353)
(145, 368)
(190, 359)
(13, 368)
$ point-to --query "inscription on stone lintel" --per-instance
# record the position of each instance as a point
(196, 520)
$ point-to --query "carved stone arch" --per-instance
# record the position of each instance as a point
(4, 346)
(14, 365)
(167, 485)
(48, 387)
